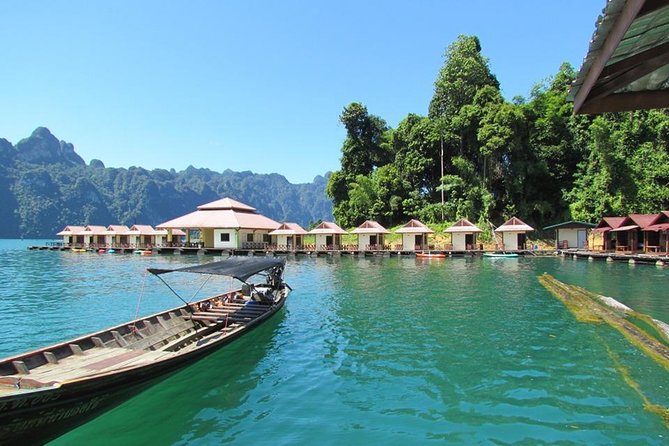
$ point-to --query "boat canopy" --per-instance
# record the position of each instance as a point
(240, 268)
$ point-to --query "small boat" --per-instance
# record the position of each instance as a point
(500, 255)
(102, 251)
(78, 250)
(111, 251)
(430, 255)
(47, 392)
(143, 252)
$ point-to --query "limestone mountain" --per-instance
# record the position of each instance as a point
(45, 185)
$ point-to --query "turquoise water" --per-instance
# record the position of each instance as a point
(367, 351)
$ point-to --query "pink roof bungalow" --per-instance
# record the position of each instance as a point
(414, 236)
(72, 235)
(227, 224)
(117, 236)
(370, 235)
(514, 234)
(95, 236)
(328, 236)
(603, 239)
(288, 237)
(657, 234)
(144, 236)
(463, 235)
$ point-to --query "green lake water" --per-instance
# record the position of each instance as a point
(390, 351)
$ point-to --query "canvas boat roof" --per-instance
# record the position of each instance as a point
(241, 268)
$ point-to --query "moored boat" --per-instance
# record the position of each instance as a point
(500, 255)
(47, 392)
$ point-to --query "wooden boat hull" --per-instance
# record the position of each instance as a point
(47, 392)
(500, 255)
(41, 416)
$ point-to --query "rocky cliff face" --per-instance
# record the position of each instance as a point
(41, 147)
(45, 185)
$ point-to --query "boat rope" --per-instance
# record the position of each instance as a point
(201, 286)
(175, 293)
(139, 302)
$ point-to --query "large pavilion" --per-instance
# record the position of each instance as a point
(225, 224)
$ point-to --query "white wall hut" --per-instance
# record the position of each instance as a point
(95, 236)
(514, 234)
(144, 236)
(414, 236)
(72, 235)
(226, 224)
(328, 236)
(370, 236)
(463, 235)
(117, 236)
(288, 237)
(571, 234)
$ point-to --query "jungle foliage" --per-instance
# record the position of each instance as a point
(530, 157)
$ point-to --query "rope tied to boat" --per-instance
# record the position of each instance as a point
(133, 329)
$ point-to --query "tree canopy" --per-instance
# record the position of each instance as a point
(531, 157)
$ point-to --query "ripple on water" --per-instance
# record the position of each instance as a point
(390, 351)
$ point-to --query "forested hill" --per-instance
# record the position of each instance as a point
(45, 185)
(530, 157)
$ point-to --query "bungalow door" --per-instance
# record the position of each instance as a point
(581, 238)
(373, 241)
(418, 241)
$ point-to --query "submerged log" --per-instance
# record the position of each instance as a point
(593, 308)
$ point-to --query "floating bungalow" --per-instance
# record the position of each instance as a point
(514, 234)
(118, 236)
(414, 236)
(656, 235)
(611, 233)
(328, 236)
(370, 236)
(463, 235)
(288, 237)
(72, 235)
(145, 236)
(225, 224)
(571, 234)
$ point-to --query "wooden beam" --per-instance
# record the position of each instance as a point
(652, 6)
(626, 102)
(616, 34)
(631, 69)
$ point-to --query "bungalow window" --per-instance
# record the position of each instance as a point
(225, 237)
(249, 237)
(265, 238)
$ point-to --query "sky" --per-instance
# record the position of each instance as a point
(256, 84)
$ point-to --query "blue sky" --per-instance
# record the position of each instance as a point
(254, 85)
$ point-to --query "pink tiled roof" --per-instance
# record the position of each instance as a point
(327, 227)
(226, 203)
(370, 227)
(289, 229)
(71, 230)
(414, 227)
(94, 229)
(463, 225)
(221, 219)
(514, 224)
(143, 230)
(117, 230)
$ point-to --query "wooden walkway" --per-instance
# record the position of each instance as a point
(610, 256)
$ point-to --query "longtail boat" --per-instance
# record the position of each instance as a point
(49, 391)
